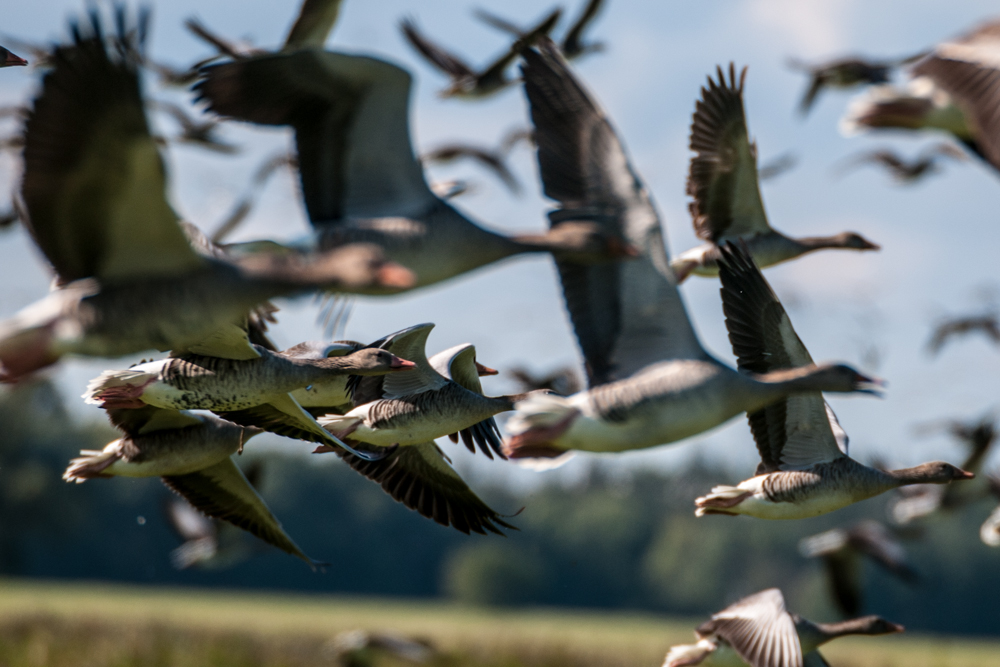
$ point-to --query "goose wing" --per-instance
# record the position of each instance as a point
(444, 60)
(459, 365)
(420, 477)
(283, 416)
(968, 69)
(221, 491)
(94, 182)
(722, 179)
(759, 630)
(573, 41)
(406, 344)
(796, 432)
(188, 522)
(148, 419)
(231, 341)
(626, 314)
(313, 25)
(874, 540)
(351, 121)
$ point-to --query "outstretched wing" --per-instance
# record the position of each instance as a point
(759, 630)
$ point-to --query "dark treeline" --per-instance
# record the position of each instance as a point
(611, 543)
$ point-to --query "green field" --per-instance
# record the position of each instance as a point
(70, 625)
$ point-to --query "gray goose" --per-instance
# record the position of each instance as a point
(903, 170)
(723, 183)
(844, 73)
(192, 454)
(759, 632)
(844, 549)
(239, 381)
(805, 470)
(403, 416)
(360, 179)
(465, 81)
(650, 380)
(953, 89)
(130, 281)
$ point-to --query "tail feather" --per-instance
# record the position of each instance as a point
(539, 409)
(536, 426)
(92, 463)
(339, 425)
(719, 500)
(118, 388)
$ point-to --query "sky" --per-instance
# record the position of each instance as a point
(874, 310)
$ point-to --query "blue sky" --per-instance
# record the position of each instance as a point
(939, 238)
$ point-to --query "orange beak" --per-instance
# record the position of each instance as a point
(485, 370)
(401, 364)
(395, 275)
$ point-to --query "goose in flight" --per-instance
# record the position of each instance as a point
(650, 380)
(953, 89)
(465, 81)
(844, 73)
(573, 45)
(128, 280)
(192, 454)
(925, 163)
(360, 179)
(805, 470)
(759, 632)
(723, 184)
(403, 416)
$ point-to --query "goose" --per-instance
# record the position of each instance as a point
(128, 280)
(759, 632)
(573, 45)
(989, 532)
(362, 648)
(842, 551)
(723, 183)
(805, 470)
(465, 81)
(906, 171)
(650, 380)
(241, 209)
(952, 327)
(360, 179)
(239, 381)
(778, 166)
(921, 502)
(952, 89)
(563, 381)
(494, 160)
(196, 133)
(192, 454)
(403, 416)
(844, 73)
(10, 59)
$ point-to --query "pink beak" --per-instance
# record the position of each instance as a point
(12, 60)
(485, 370)
(401, 363)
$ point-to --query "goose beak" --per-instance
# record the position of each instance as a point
(401, 364)
(869, 385)
(485, 370)
(395, 275)
(868, 245)
(895, 627)
(965, 474)
(11, 60)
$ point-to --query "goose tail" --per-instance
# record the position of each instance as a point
(339, 425)
(720, 501)
(92, 463)
(687, 654)
(119, 389)
(537, 423)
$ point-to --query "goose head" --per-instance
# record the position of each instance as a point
(855, 241)
(876, 625)
(830, 377)
(369, 361)
(588, 242)
(935, 472)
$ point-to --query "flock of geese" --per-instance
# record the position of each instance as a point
(131, 276)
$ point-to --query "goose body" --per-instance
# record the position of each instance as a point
(651, 381)
(723, 183)
(759, 632)
(360, 178)
(192, 454)
(805, 470)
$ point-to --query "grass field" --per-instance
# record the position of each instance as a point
(72, 625)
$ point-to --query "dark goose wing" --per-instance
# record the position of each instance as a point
(627, 314)
(313, 25)
(94, 182)
(351, 121)
(800, 430)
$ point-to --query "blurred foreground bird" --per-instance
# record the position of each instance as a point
(572, 46)
(244, 205)
(723, 183)
(404, 415)
(989, 532)
(953, 327)
(94, 189)
(650, 380)
(925, 163)
(360, 179)
(844, 73)
(759, 632)
(361, 648)
(192, 454)
(843, 551)
(955, 89)
(805, 469)
(465, 81)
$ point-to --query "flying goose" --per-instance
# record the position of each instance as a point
(403, 416)
(650, 380)
(563, 381)
(192, 454)
(239, 381)
(844, 73)
(759, 632)
(128, 278)
(494, 160)
(952, 327)
(9, 59)
(196, 133)
(844, 549)
(920, 502)
(465, 81)
(573, 45)
(360, 179)
(989, 532)
(722, 181)
(906, 171)
(805, 470)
